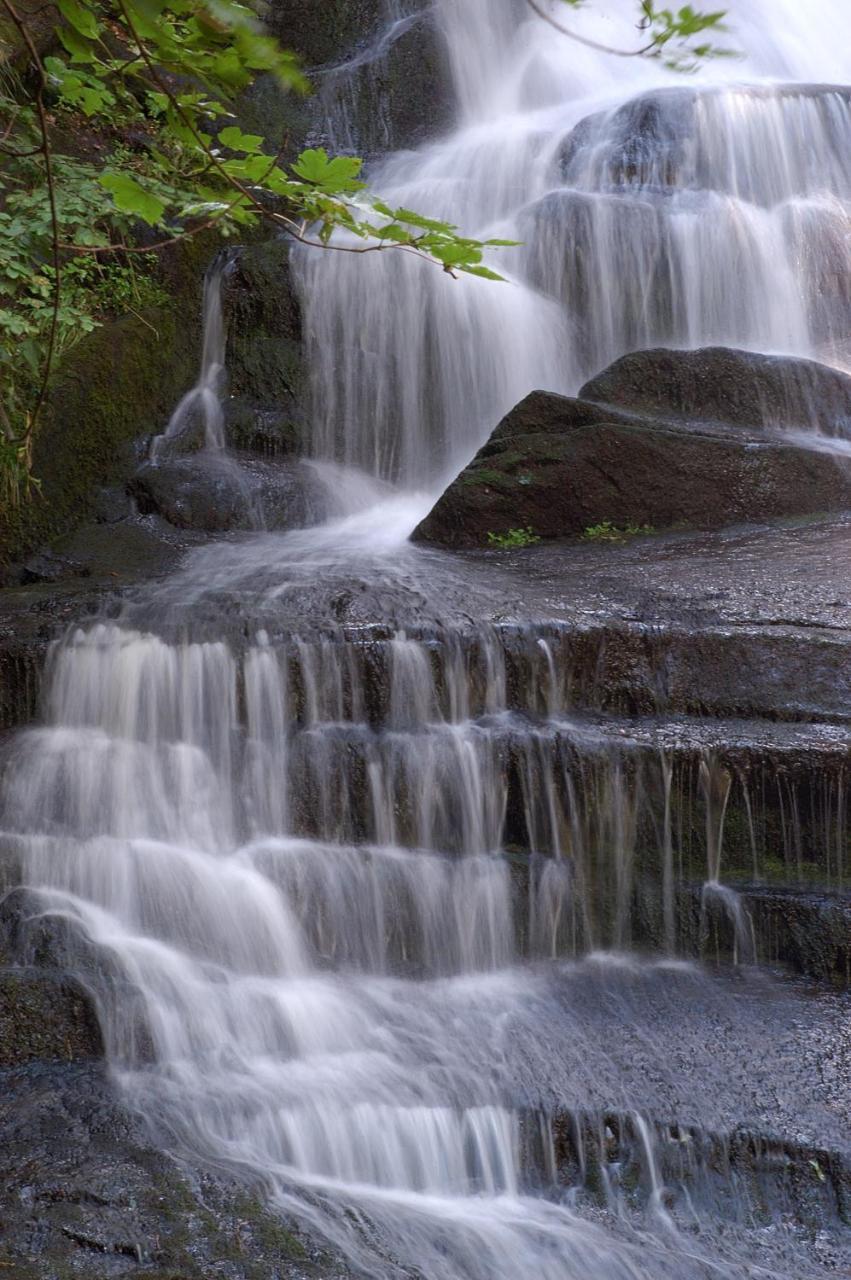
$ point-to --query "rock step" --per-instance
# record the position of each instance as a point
(745, 1175)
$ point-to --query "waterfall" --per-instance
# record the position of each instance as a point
(198, 419)
(358, 902)
(702, 210)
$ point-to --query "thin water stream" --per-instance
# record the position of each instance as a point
(361, 903)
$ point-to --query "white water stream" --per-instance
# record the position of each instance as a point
(321, 960)
(710, 209)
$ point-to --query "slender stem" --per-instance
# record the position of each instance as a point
(537, 7)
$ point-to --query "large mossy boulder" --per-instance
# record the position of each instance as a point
(695, 439)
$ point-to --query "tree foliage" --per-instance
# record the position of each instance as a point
(160, 80)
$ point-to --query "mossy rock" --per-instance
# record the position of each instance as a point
(116, 385)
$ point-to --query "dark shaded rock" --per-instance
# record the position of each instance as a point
(381, 82)
(393, 94)
(111, 504)
(264, 356)
(112, 387)
(213, 494)
(85, 1192)
(810, 932)
(48, 566)
(326, 32)
(266, 430)
(718, 384)
(43, 1017)
(661, 439)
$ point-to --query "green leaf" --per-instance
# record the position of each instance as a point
(131, 197)
(414, 219)
(80, 16)
(80, 48)
(236, 140)
(333, 176)
(484, 272)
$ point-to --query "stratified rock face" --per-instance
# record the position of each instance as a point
(663, 439)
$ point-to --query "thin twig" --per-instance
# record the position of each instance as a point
(539, 9)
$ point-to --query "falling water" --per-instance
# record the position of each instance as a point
(360, 902)
(704, 210)
(198, 420)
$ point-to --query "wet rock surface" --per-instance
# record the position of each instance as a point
(45, 1017)
(628, 452)
(209, 494)
(718, 384)
(85, 1192)
(379, 85)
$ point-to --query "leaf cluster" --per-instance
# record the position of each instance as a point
(159, 80)
(524, 537)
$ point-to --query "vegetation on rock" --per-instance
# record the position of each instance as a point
(160, 80)
(151, 86)
(525, 537)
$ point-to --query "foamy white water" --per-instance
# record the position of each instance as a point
(653, 210)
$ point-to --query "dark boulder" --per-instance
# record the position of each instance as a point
(721, 385)
(44, 1016)
(216, 493)
(660, 439)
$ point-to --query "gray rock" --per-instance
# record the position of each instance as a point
(661, 439)
(214, 494)
(721, 385)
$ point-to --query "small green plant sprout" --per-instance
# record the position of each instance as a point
(514, 538)
(608, 532)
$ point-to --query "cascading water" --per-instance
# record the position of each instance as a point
(701, 212)
(198, 420)
(324, 875)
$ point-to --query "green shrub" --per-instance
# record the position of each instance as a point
(514, 538)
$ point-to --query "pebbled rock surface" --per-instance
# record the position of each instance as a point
(45, 1017)
(85, 1193)
(661, 439)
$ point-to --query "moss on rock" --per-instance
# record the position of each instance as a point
(115, 385)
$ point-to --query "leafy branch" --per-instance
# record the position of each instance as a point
(159, 79)
(668, 35)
